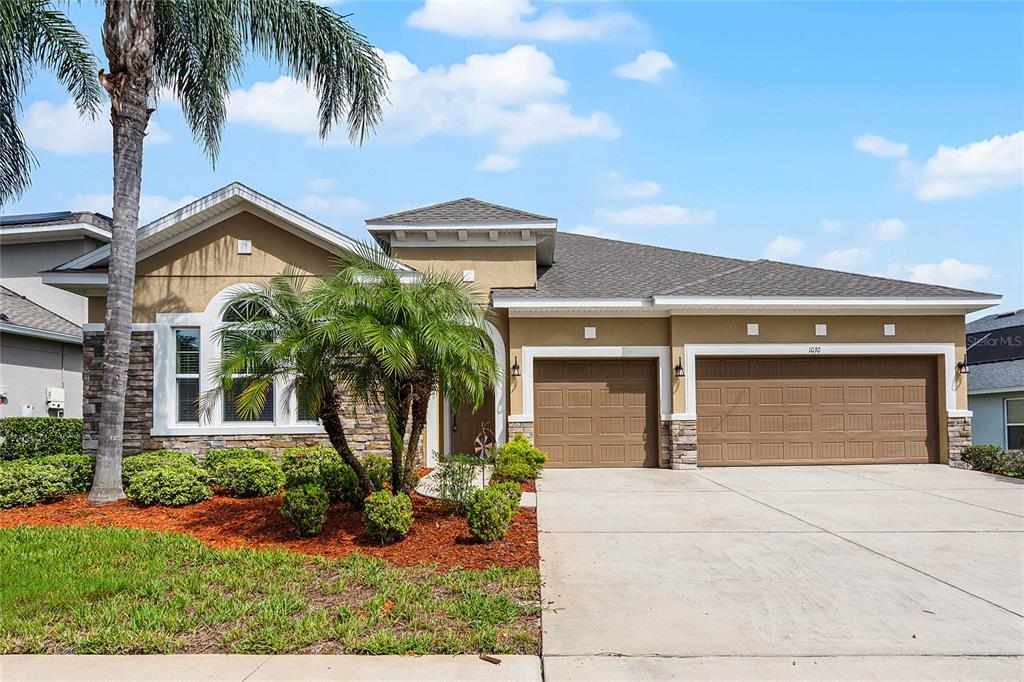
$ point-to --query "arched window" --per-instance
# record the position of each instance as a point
(240, 312)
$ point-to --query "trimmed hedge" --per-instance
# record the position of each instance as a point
(28, 481)
(305, 505)
(37, 436)
(322, 465)
(241, 477)
(172, 486)
(983, 457)
(387, 517)
(518, 460)
(1013, 464)
(135, 464)
(79, 467)
(213, 458)
(488, 514)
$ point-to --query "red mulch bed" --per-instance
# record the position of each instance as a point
(437, 537)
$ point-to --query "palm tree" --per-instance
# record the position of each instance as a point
(195, 50)
(33, 33)
(415, 338)
(273, 333)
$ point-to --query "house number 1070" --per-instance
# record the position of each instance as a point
(814, 349)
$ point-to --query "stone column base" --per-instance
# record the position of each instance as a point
(516, 428)
(958, 432)
(682, 453)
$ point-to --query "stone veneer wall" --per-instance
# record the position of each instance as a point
(958, 430)
(365, 427)
(683, 438)
(516, 428)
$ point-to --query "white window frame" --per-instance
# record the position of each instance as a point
(165, 421)
(1006, 420)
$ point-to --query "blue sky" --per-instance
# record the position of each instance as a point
(879, 138)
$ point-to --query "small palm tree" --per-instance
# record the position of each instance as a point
(275, 333)
(195, 49)
(33, 33)
(415, 338)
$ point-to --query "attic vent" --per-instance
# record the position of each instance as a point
(245, 247)
(1002, 315)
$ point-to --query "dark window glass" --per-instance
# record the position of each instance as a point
(188, 397)
(231, 414)
(1015, 437)
(187, 348)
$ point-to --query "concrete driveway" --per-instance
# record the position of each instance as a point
(843, 572)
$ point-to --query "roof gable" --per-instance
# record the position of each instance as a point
(18, 315)
(467, 210)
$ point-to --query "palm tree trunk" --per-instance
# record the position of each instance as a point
(398, 421)
(420, 404)
(330, 417)
(128, 38)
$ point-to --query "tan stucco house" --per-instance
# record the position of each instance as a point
(614, 354)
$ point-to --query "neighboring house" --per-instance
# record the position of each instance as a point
(40, 326)
(614, 354)
(995, 384)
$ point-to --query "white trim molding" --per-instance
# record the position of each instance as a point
(20, 330)
(946, 350)
(662, 353)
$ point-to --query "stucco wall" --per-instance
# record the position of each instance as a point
(989, 416)
(494, 266)
(28, 366)
(20, 265)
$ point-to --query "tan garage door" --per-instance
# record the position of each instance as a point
(857, 410)
(596, 413)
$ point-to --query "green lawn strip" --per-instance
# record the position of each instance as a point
(124, 591)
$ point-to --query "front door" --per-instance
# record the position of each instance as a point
(467, 424)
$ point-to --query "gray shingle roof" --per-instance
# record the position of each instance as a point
(55, 218)
(995, 375)
(996, 321)
(591, 267)
(466, 210)
(24, 313)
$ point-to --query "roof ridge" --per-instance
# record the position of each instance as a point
(730, 271)
(654, 246)
(440, 204)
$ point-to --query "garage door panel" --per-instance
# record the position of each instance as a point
(811, 410)
(605, 413)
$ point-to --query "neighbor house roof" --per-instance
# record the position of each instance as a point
(993, 376)
(594, 268)
(18, 315)
(997, 321)
(460, 211)
(53, 226)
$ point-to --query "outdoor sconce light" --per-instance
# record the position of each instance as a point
(963, 368)
(455, 423)
(515, 367)
(680, 372)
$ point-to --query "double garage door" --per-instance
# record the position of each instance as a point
(750, 411)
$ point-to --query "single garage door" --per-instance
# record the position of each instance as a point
(858, 410)
(596, 413)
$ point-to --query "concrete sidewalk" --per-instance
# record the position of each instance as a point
(225, 668)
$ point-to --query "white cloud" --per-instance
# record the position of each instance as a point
(595, 231)
(845, 259)
(515, 19)
(883, 147)
(830, 225)
(497, 163)
(949, 272)
(151, 206)
(513, 96)
(783, 247)
(59, 129)
(648, 66)
(314, 203)
(321, 184)
(889, 229)
(969, 170)
(620, 188)
(660, 214)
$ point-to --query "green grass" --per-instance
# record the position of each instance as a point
(121, 591)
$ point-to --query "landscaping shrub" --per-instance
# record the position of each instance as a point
(79, 467)
(983, 457)
(454, 479)
(171, 486)
(319, 464)
(214, 458)
(37, 436)
(29, 481)
(488, 514)
(305, 505)
(243, 477)
(512, 491)
(135, 464)
(378, 468)
(1013, 463)
(387, 517)
(518, 460)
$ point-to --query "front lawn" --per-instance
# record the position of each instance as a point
(101, 590)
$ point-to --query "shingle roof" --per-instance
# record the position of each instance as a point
(997, 321)
(55, 218)
(995, 375)
(24, 313)
(592, 267)
(465, 210)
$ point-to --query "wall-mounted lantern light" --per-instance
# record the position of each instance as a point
(455, 423)
(963, 368)
(680, 372)
(515, 367)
